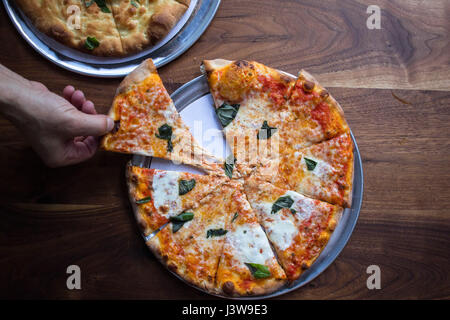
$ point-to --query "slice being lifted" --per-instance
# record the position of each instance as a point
(298, 227)
(248, 265)
(158, 195)
(323, 171)
(147, 122)
(192, 243)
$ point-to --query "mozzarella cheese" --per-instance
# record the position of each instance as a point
(166, 193)
(251, 244)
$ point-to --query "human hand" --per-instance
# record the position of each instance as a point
(62, 131)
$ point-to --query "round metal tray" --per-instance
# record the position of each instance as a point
(191, 27)
(198, 88)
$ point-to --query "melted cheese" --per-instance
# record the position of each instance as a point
(251, 245)
(166, 193)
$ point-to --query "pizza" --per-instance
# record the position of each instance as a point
(220, 246)
(323, 171)
(105, 27)
(158, 195)
(298, 227)
(147, 122)
(258, 220)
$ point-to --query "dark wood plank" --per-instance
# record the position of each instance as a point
(51, 218)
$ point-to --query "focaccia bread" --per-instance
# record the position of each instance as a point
(105, 27)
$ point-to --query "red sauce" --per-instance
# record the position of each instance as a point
(277, 90)
(299, 95)
(321, 113)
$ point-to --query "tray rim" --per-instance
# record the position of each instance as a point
(197, 88)
(192, 30)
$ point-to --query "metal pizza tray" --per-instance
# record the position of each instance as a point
(184, 34)
(192, 100)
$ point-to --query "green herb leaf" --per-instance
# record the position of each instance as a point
(235, 217)
(282, 202)
(229, 165)
(179, 220)
(310, 164)
(226, 113)
(259, 271)
(266, 131)
(101, 4)
(135, 3)
(165, 133)
(215, 232)
(144, 200)
(91, 43)
(293, 211)
(184, 186)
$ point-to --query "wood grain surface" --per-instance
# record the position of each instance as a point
(53, 218)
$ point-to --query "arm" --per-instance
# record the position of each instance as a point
(62, 131)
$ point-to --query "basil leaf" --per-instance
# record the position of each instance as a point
(259, 271)
(102, 5)
(135, 3)
(310, 164)
(235, 217)
(226, 113)
(229, 165)
(88, 3)
(91, 43)
(144, 200)
(293, 211)
(184, 186)
(215, 233)
(179, 220)
(266, 131)
(182, 217)
(282, 202)
(165, 133)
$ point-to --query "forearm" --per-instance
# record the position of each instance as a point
(14, 96)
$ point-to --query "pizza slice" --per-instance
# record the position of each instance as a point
(248, 265)
(147, 122)
(250, 101)
(84, 25)
(191, 245)
(297, 226)
(316, 116)
(143, 23)
(323, 171)
(158, 195)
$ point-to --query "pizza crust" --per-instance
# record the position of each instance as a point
(128, 28)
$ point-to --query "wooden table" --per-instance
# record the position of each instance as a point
(394, 85)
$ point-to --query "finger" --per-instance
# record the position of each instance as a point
(78, 99)
(88, 107)
(90, 124)
(68, 92)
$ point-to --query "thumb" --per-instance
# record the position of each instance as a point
(92, 125)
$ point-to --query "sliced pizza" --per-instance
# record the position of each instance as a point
(250, 101)
(248, 265)
(323, 171)
(316, 116)
(297, 226)
(191, 244)
(157, 195)
(147, 122)
(84, 25)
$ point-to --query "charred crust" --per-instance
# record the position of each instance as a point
(172, 267)
(308, 86)
(324, 94)
(305, 265)
(228, 288)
